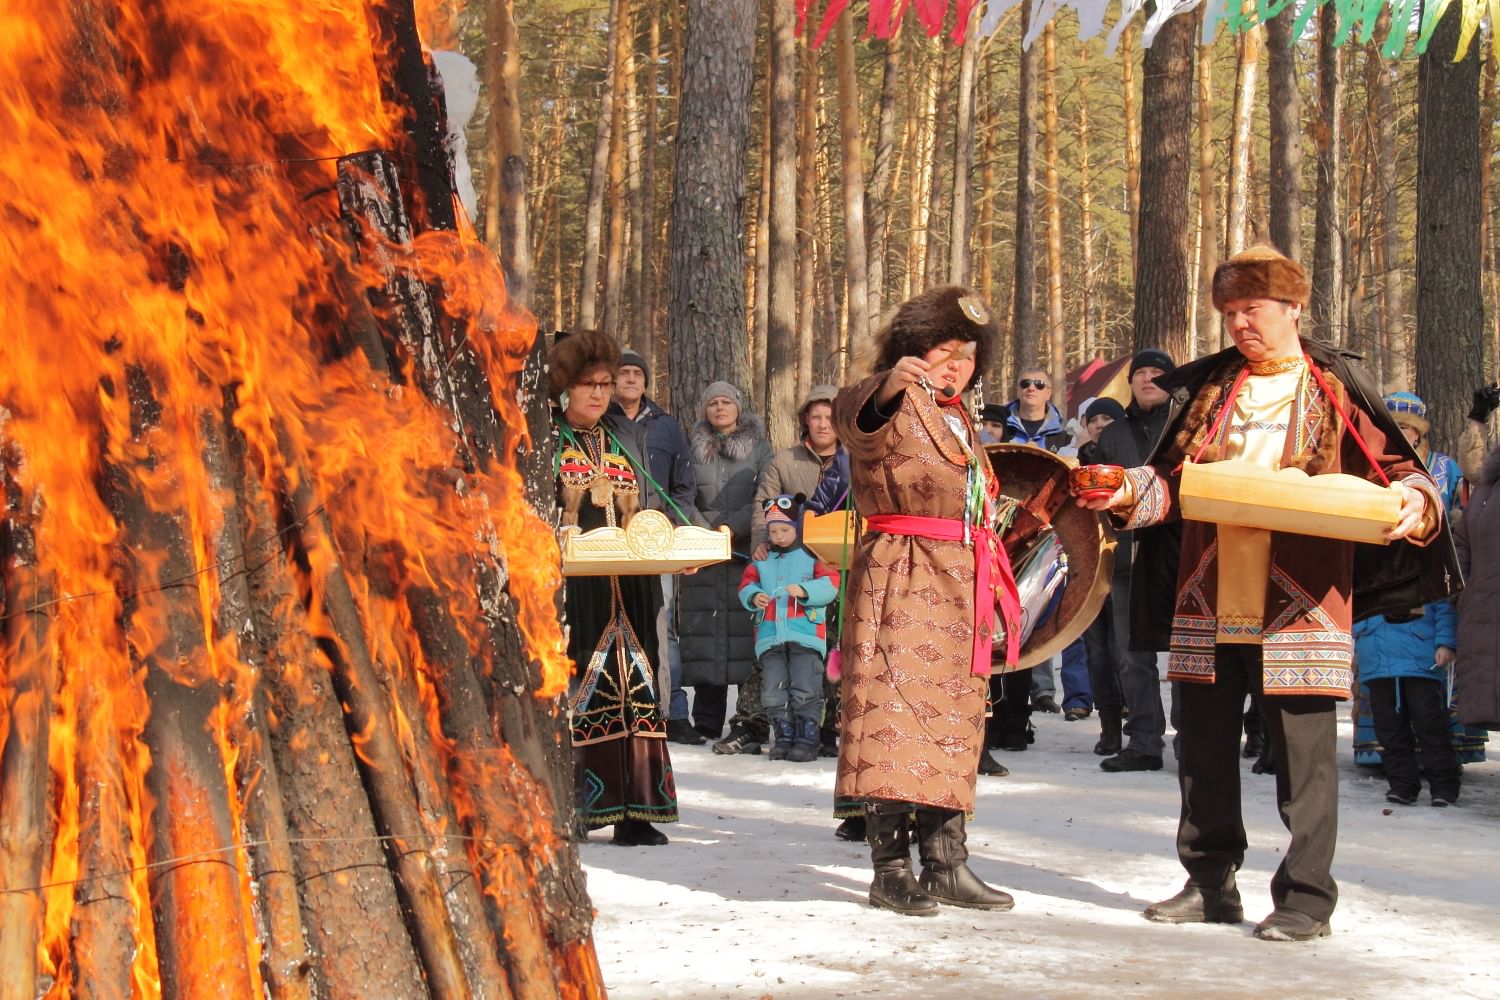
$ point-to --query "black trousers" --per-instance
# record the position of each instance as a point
(1411, 713)
(1302, 731)
(1010, 705)
(710, 705)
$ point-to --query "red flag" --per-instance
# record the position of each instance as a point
(830, 16)
(961, 23)
(931, 13)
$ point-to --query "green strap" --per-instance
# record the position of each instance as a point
(639, 465)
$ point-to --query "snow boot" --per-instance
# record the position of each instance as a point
(895, 887)
(1109, 732)
(806, 747)
(739, 740)
(945, 870)
(1201, 904)
(784, 737)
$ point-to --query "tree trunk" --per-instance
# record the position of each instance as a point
(1088, 325)
(1491, 264)
(1161, 292)
(1285, 115)
(1132, 141)
(1207, 325)
(987, 182)
(1394, 352)
(614, 257)
(507, 228)
(1242, 134)
(1057, 365)
(1328, 249)
(781, 329)
(644, 332)
(934, 256)
(922, 152)
(760, 328)
(963, 163)
(632, 330)
(1450, 308)
(708, 193)
(593, 218)
(856, 271)
(1023, 315)
(878, 200)
(807, 206)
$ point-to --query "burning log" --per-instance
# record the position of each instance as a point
(289, 725)
(24, 734)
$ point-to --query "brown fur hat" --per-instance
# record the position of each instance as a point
(1261, 272)
(948, 312)
(575, 354)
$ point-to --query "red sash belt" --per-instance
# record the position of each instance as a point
(991, 562)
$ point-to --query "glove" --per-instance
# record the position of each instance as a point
(1486, 401)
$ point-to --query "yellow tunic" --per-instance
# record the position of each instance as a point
(1263, 411)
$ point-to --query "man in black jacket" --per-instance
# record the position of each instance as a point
(671, 467)
(1128, 443)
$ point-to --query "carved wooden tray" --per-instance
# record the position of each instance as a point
(648, 545)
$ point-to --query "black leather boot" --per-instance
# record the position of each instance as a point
(1109, 732)
(805, 748)
(895, 887)
(1199, 904)
(945, 870)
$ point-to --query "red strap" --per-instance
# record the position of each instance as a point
(1322, 384)
(943, 529)
(1224, 412)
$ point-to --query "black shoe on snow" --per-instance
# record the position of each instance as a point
(682, 731)
(1289, 925)
(738, 741)
(1131, 760)
(1197, 905)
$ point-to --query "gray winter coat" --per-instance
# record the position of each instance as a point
(1477, 539)
(715, 633)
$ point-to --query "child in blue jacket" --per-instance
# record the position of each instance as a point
(789, 592)
(1405, 666)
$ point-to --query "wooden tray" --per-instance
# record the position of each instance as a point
(825, 535)
(649, 545)
(1329, 506)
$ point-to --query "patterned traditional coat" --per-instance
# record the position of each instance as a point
(1311, 596)
(913, 710)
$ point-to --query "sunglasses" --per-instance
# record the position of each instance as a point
(1033, 383)
(782, 503)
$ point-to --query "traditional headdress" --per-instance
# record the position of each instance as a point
(1408, 410)
(948, 312)
(575, 354)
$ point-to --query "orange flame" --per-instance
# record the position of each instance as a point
(168, 225)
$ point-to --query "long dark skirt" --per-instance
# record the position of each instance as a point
(621, 766)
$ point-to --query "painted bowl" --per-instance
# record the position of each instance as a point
(1095, 482)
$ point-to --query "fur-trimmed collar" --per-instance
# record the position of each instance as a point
(1490, 474)
(709, 445)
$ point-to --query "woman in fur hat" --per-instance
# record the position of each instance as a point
(623, 774)
(730, 451)
(921, 619)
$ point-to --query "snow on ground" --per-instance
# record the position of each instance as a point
(754, 898)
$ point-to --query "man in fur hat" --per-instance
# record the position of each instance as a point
(1268, 612)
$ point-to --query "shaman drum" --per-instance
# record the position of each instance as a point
(1037, 482)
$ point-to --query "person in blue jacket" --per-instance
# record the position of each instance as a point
(1404, 664)
(789, 592)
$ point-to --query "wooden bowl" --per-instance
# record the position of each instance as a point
(1095, 482)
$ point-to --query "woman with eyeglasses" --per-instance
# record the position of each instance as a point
(623, 773)
(714, 635)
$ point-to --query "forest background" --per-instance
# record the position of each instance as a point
(699, 181)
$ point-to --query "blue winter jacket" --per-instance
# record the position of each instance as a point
(788, 619)
(1406, 649)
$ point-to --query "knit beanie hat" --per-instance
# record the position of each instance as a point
(785, 508)
(717, 389)
(630, 356)
(1104, 407)
(1408, 410)
(1151, 357)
